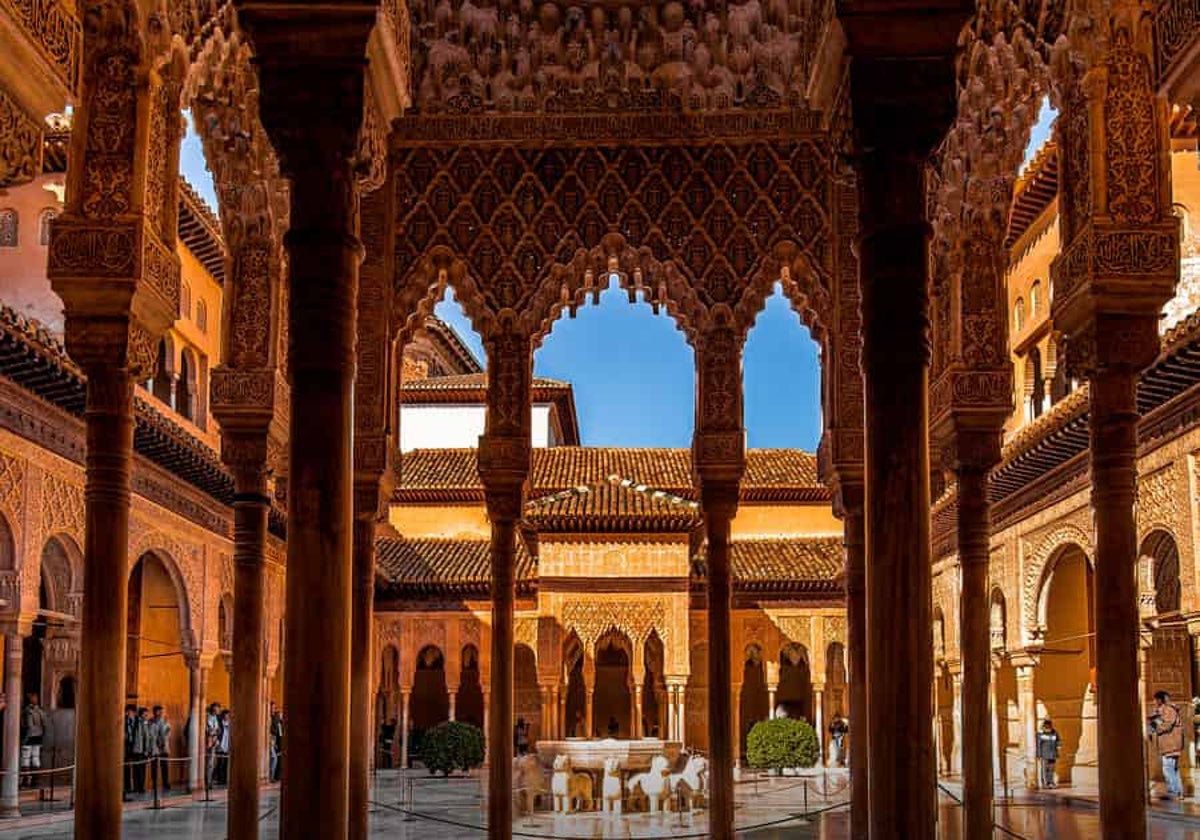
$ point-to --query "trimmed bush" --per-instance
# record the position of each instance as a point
(452, 746)
(782, 743)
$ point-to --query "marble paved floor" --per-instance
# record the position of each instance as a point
(455, 812)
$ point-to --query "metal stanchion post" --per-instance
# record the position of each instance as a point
(408, 802)
(53, 768)
(154, 770)
(208, 757)
(806, 796)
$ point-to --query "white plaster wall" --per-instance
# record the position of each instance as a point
(457, 426)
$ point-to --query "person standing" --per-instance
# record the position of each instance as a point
(143, 748)
(1048, 743)
(837, 734)
(130, 733)
(1166, 726)
(160, 744)
(276, 742)
(212, 735)
(223, 749)
(387, 742)
(33, 730)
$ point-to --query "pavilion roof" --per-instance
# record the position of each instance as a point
(802, 564)
(614, 505)
(428, 475)
(471, 388)
(443, 564)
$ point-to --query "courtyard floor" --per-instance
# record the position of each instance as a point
(454, 810)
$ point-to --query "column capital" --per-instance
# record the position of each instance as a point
(973, 446)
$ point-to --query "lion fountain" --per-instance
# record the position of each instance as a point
(568, 787)
(654, 784)
(611, 788)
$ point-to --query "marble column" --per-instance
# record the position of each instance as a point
(635, 728)
(852, 498)
(10, 793)
(500, 723)
(451, 698)
(250, 507)
(404, 695)
(487, 740)
(98, 735)
(976, 723)
(1027, 702)
(735, 699)
(362, 740)
(310, 63)
(197, 686)
(681, 726)
(956, 722)
(819, 719)
(719, 505)
(771, 689)
(902, 107)
(1113, 426)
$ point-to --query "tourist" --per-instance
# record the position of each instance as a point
(577, 730)
(223, 741)
(614, 728)
(1048, 743)
(837, 735)
(140, 748)
(33, 729)
(1167, 729)
(521, 737)
(160, 745)
(387, 742)
(276, 742)
(131, 727)
(212, 735)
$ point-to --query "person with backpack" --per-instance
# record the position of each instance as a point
(1166, 727)
(33, 730)
(1048, 743)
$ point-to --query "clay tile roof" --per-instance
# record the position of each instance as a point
(428, 565)
(473, 382)
(613, 506)
(450, 474)
(810, 564)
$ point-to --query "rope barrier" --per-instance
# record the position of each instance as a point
(1003, 829)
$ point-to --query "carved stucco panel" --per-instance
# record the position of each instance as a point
(1039, 548)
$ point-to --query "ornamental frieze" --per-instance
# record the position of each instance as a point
(55, 31)
(20, 143)
(1176, 25)
(636, 619)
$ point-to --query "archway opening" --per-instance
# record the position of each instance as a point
(185, 390)
(157, 672)
(469, 706)
(527, 701)
(574, 710)
(791, 415)
(1064, 677)
(1169, 661)
(754, 702)
(160, 386)
(795, 694)
(654, 688)
(430, 700)
(612, 701)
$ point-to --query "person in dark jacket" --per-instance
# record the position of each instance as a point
(33, 730)
(1048, 743)
(131, 726)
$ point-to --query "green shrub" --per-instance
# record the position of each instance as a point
(782, 743)
(452, 746)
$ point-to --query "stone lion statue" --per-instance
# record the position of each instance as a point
(568, 787)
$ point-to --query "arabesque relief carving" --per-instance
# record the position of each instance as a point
(20, 143)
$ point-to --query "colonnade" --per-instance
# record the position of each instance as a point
(310, 62)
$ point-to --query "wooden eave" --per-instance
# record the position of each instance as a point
(200, 231)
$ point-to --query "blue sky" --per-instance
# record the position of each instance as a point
(633, 371)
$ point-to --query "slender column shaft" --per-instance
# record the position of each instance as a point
(819, 721)
(682, 717)
(323, 263)
(361, 731)
(1028, 723)
(1113, 422)
(956, 723)
(404, 693)
(770, 702)
(197, 683)
(501, 722)
(250, 506)
(894, 267)
(98, 741)
(722, 710)
(975, 735)
(10, 791)
(590, 729)
(856, 654)
(487, 713)
(452, 697)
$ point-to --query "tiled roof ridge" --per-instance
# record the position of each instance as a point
(473, 381)
(206, 212)
(37, 334)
